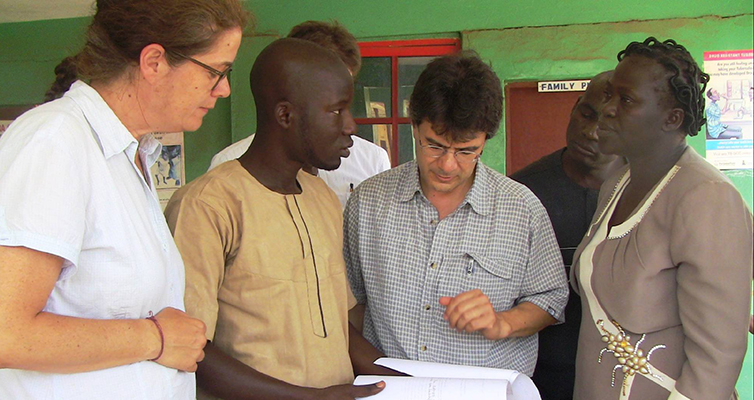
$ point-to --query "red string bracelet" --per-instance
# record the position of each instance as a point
(162, 337)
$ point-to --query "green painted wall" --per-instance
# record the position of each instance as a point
(582, 51)
(29, 51)
(397, 17)
(531, 40)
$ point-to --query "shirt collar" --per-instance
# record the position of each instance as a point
(109, 131)
(150, 147)
(477, 196)
(409, 186)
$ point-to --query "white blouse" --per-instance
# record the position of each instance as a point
(69, 187)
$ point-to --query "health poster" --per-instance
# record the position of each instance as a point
(728, 109)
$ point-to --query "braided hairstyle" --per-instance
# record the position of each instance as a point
(65, 75)
(687, 82)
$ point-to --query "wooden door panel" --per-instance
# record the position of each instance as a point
(535, 123)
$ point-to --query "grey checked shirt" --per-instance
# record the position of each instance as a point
(401, 260)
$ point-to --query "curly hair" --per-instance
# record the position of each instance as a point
(120, 29)
(332, 36)
(687, 81)
(460, 96)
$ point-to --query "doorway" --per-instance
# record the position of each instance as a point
(535, 123)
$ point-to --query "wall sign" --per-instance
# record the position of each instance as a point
(562, 86)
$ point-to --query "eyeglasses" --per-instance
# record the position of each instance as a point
(462, 156)
(220, 74)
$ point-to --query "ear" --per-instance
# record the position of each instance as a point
(674, 120)
(153, 62)
(284, 114)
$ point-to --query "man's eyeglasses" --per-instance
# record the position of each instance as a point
(220, 74)
(436, 151)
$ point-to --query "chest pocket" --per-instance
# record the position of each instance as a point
(493, 276)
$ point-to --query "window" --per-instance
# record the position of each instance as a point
(383, 88)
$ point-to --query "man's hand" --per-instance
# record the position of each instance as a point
(472, 311)
(349, 392)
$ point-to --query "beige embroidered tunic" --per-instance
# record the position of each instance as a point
(265, 272)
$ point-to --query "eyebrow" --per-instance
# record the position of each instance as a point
(622, 89)
(220, 66)
(587, 107)
(339, 102)
(468, 148)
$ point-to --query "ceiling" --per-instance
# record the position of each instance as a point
(32, 10)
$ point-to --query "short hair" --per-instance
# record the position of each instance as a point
(687, 82)
(120, 29)
(459, 95)
(332, 36)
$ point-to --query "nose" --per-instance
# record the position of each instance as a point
(349, 125)
(590, 131)
(223, 88)
(609, 107)
(447, 161)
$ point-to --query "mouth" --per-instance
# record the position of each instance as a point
(443, 178)
(585, 150)
(345, 150)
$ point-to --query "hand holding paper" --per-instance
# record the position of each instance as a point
(351, 392)
(434, 381)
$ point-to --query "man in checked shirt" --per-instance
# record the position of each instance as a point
(452, 261)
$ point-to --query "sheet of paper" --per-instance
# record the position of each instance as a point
(521, 385)
(437, 370)
(410, 388)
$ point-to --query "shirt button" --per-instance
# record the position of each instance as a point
(427, 307)
(423, 348)
(434, 265)
(433, 222)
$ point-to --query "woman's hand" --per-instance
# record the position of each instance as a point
(184, 340)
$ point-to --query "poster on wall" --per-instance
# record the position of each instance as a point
(4, 124)
(729, 129)
(168, 172)
(10, 113)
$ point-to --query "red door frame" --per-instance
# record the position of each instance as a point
(395, 49)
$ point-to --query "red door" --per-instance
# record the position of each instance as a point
(535, 123)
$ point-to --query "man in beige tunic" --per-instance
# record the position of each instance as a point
(262, 241)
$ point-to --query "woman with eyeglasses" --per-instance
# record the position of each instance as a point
(91, 283)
